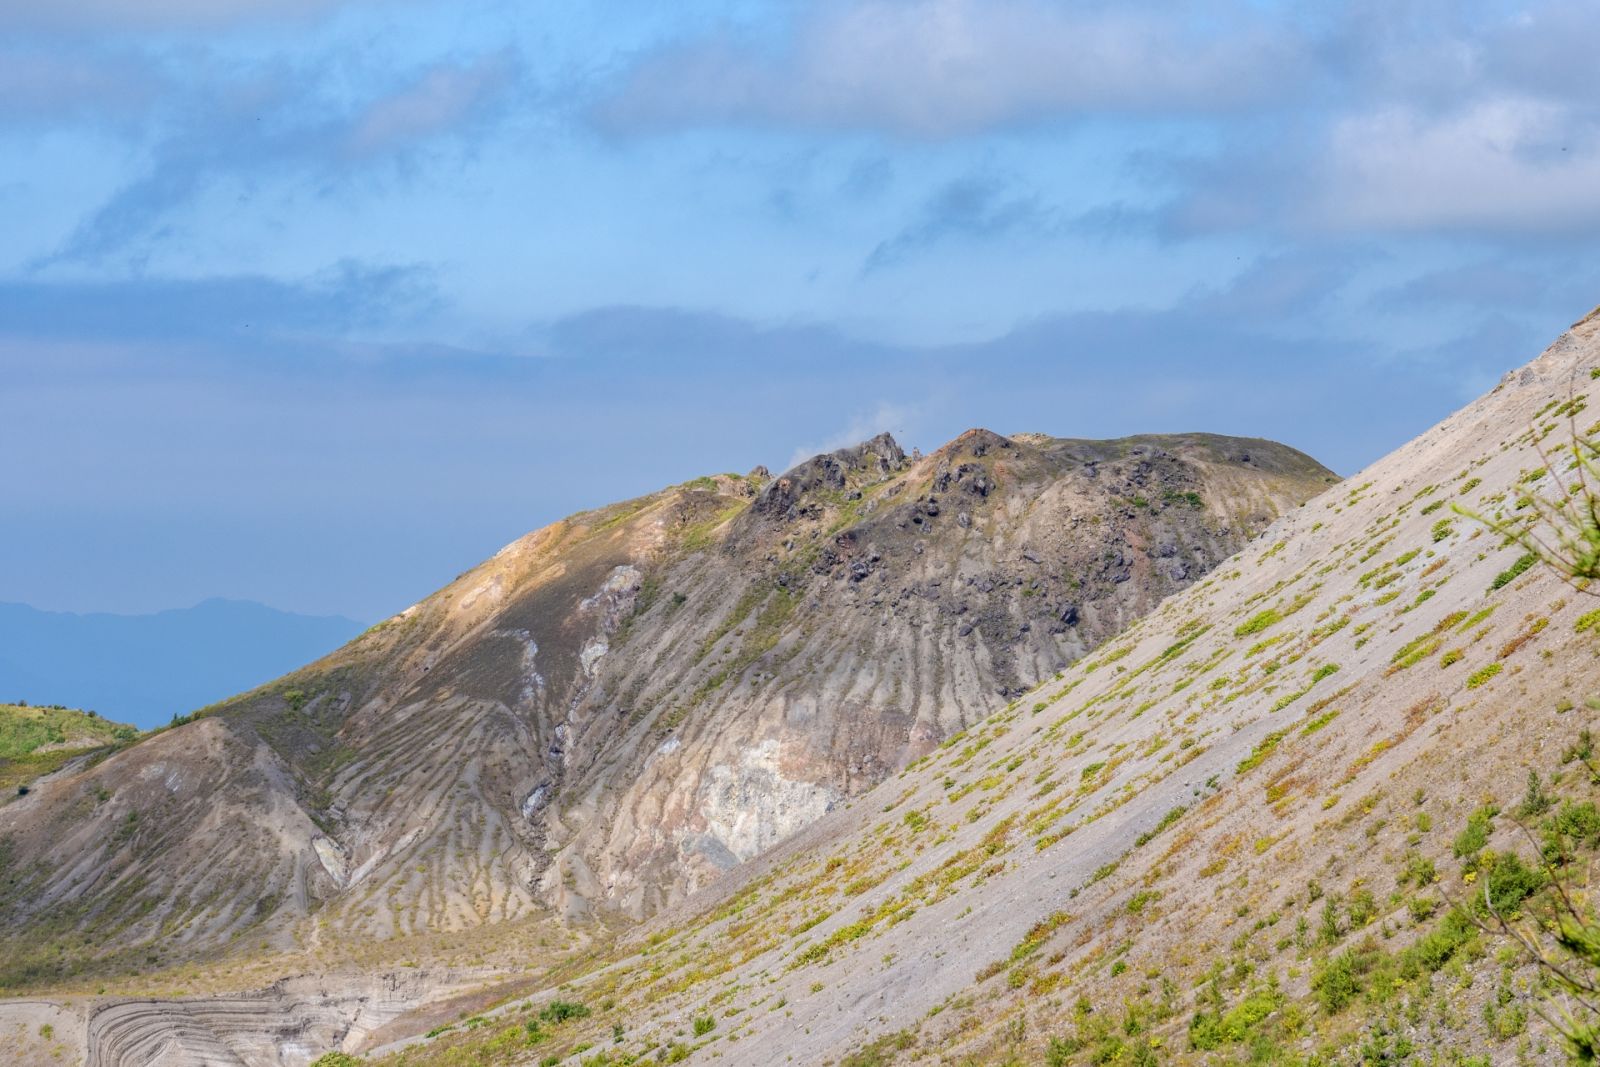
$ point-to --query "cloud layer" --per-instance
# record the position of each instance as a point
(284, 123)
(283, 279)
(101, 15)
(1416, 117)
(944, 68)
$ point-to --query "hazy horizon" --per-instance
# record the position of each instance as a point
(145, 669)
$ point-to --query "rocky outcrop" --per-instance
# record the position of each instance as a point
(288, 1025)
(810, 489)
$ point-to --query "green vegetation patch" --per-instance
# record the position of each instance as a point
(1264, 748)
(25, 729)
(1240, 1023)
(1038, 934)
(1513, 572)
(1482, 675)
(1166, 821)
(560, 1011)
(1475, 834)
(35, 741)
(1258, 622)
(1319, 722)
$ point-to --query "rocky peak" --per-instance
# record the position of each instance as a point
(977, 442)
(830, 479)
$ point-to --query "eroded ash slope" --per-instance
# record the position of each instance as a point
(1236, 833)
(616, 709)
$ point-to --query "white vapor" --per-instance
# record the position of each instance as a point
(864, 426)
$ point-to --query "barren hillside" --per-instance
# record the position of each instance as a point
(622, 706)
(1237, 833)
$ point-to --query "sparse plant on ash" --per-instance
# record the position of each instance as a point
(1561, 526)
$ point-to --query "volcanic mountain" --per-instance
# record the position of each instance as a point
(1290, 816)
(619, 708)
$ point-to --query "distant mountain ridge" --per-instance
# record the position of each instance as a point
(145, 669)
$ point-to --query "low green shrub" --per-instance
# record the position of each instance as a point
(559, 1011)
(1513, 572)
(1256, 623)
(1482, 675)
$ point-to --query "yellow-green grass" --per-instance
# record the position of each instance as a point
(37, 740)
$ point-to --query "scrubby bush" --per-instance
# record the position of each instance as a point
(1508, 884)
(559, 1011)
(1513, 572)
(1240, 1023)
(1571, 825)
(1337, 984)
(1470, 840)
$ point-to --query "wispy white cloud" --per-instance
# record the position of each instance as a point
(1420, 117)
(280, 122)
(1495, 167)
(440, 100)
(1510, 163)
(1443, 117)
(943, 68)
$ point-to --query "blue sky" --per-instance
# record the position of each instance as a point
(319, 302)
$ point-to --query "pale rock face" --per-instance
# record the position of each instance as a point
(622, 582)
(534, 801)
(592, 653)
(749, 805)
(289, 1024)
(533, 684)
(487, 594)
(333, 859)
(171, 777)
(613, 599)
